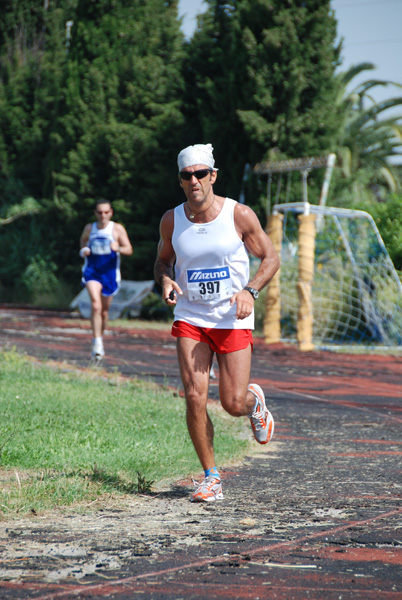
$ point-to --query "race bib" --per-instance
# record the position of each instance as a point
(209, 284)
(101, 246)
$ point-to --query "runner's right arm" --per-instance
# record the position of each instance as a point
(84, 239)
(163, 268)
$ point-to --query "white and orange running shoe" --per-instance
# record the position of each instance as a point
(208, 490)
(262, 422)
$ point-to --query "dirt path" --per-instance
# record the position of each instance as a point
(316, 514)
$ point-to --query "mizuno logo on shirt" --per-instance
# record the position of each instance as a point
(208, 274)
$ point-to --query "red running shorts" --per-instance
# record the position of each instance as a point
(221, 341)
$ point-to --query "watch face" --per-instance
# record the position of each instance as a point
(253, 292)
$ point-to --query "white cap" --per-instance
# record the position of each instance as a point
(200, 154)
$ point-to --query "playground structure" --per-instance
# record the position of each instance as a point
(337, 283)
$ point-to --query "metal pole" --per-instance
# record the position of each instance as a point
(327, 179)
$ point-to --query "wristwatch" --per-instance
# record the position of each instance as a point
(252, 291)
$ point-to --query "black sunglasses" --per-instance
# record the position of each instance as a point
(200, 174)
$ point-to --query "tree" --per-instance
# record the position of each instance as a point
(93, 114)
(28, 206)
(122, 123)
(32, 43)
(32, 53)
(367, 140)
(388, 218)
(263, 75)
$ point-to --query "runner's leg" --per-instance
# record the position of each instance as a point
(94, 290)
(234, 378)
(106, 303)
(195, 359)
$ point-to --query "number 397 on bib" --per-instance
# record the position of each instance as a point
(209, 284)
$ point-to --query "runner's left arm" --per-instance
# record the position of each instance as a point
(259, 245)
(122, 243)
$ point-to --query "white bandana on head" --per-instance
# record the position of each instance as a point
(199, 154)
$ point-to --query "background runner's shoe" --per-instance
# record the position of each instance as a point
(261, 420)
(97, 350)
(207, 491)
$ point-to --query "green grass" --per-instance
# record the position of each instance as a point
(69, 438)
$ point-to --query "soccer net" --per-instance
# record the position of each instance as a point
(337, 283)
(356, 293)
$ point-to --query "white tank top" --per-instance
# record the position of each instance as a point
(100, 239)
(212, 264)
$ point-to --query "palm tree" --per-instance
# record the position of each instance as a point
(368, 139)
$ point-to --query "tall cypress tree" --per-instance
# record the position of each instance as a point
(123, 117)
(261, 73)
(93, 113)
(32, 50)
(32, 54)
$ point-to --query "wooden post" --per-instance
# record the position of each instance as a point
(306, 275)
(272, 319)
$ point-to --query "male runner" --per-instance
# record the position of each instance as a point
(207, 241)
(101, 244)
